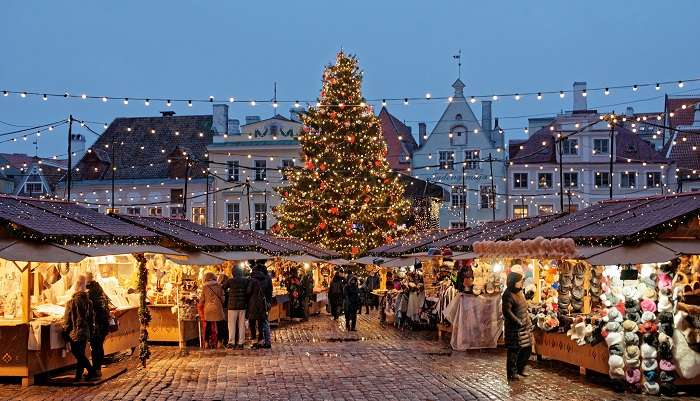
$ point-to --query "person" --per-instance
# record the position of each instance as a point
(212, 304)
(222, 325)
(307, 287)
(259, 294)
(335, 295)
(517, 327)
(79, 325)
(100, 305)
(352, 301)
(372, 283)
(237, 303)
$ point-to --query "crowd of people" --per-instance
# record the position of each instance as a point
(346, 296)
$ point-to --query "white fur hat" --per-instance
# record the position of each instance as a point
(648, 351)
(613, 338)
(665, 304)
(663, 338)
(651, 388)
(617, 366)
(648, 317)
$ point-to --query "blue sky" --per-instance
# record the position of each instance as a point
(239, 48)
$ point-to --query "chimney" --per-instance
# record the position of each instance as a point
(422, 134)
(234, 127)
(251, 119)
(77, 143)
(486, 116)
(629, 112)
(220, 119)
(580, 103)
(167, 113)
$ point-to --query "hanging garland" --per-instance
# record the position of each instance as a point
(144, 313)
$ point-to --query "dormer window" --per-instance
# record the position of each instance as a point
(458, 117)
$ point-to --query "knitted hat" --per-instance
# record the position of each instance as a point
(613, 327)
(630, 292)
(614, 315)
(631, 306)
(616, 365)
(651, 388)
(616, 349)
(613, 338)
(650, 375)
(666, 377)
(665, 351)
(664, 338)
(664, 281)
(649, 365)
(649, 293)
(651, 339)
(631, 338)
(577, 293)
(665, 304)
(648, 352)
(648, 305)
(630, 326)
(648, 317)
(631, 352)
(648, 327)
(667, 365)
(633, 376)
(665, 317)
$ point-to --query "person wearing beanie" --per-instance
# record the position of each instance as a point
(517, 327)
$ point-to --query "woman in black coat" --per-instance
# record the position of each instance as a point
(517, 327)
(352, 302)
(335, 296)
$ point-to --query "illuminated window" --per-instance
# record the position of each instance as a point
(520, 211)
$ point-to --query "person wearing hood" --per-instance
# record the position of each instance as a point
(517, 327)
(259, 294)
(335, 295)
(100, 305)
(79, 326)
(352, 303)
(237, 303)
(213, 304)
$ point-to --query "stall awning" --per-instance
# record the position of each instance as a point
(195, 259)
(302, 258)
(684, 247)
(339, 262)
(17, 250)
(239, 255)
(649, 252)
(105, 250)
(399, 262)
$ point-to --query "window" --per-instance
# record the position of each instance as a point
(177, 212)
(155, 211)
(570, 180)
(628, 179)
(113, 210)
(520, 211)
(199, 215)
(233, 171)
(520, 180)
(260, 170)
(261, 216)
(601, 146)
(544, 180)
(287, 165)
(543, 210)
(602, 179)
(569, 146)
(447, 160)
(233, 215)
(33, 188)
(133, 211)
(486, 199)
(653, 179)
(458, 117)
(457, 224)
(459, 196)
(471, 159)
(177, 195)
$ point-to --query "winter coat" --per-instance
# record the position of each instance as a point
(79, 318)
(213, 301)
(100, 304)
(336, 291)
(352, 296)
(236, 289)
(517, 319)
(259, 294)
(372, 283)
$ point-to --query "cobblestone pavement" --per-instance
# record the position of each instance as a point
(318, 360)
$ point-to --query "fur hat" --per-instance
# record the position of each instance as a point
(664, 338)
(664, 281)
(667, 376)
(651, 339)
(630, 292)
(648, 352)
(629, 325)
(631, 306)
(631, 352)
(616, 365)
(667, 365)
(648, 305)
(649, 365)
(665, 351)
(633, 376)
(614, 315)
(613, 327)
(647, 327)
(631, 338)
(613, 338)
(665, 304)
(650, 293)
(616, 349)
(576, 332)
(651, 388)
(648, 317)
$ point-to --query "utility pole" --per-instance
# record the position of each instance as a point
(69, 176)
(464, 196)
(206, 200)
(568, 195)
(612, 155)
(114, 170)
(561, 175)
(492, 195)
(247, 190)
(187, 178)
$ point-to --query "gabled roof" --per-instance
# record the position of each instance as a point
(681, 116)
(686, 149)
(275, 117)
(399, 140)
(158, 136)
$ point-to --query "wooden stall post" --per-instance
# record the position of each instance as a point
(26, 293)
(144, 313)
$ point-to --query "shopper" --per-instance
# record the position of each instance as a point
(335, 295)
(212, 303)
(100, 305)
(79, 326)
(237, 303)
(222, 325)
(259, 300)
(352, 301)
(518, 327)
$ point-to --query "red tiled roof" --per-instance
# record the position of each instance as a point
(21, 160)
(398, 149)
(681, 116)
(67, 222)
(682, 152)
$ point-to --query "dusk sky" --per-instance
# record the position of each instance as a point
(194, 49)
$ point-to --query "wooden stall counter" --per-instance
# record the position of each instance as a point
(164, 326)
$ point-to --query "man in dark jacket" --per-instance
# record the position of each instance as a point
(335, 295)
(237, 302)
(352, 302)
(79, 325)
(100, 305)
(517, 327)
(259, 294)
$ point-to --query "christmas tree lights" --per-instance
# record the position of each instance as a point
(345, 196)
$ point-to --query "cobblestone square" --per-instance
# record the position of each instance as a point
(318, 360)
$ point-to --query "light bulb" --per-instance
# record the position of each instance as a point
(606, 92)
(405, 101)
(168, 103)
(147, 102)
(635, 88)
(274, 104)
(252, 102)
(658, 87)
(495, 97)
(561, 94)
(104, 99)
(296, 104)
(189, 103)
(472, 99)
(680, 84)
(584, 93)
(539, 95)
(383, 102)
(517, 96)
(45, 97)
(126, 100)
(428, 95)
(449, 99)
(83, 96)
(23, 94)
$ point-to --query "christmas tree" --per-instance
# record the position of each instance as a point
(345, 196)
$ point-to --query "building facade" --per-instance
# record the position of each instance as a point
(32, 176)
(566, 164)
(467, 157)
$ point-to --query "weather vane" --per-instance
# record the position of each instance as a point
(458, 57)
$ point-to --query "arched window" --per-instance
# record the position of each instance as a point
(458, 117)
